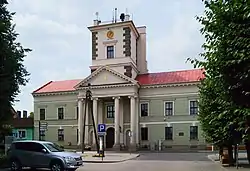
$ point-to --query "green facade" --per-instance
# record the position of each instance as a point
(23, 133)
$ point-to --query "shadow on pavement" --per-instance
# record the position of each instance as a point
(174, 156)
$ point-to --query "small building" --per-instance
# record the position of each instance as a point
(23, 128)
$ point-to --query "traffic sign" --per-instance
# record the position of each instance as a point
(43, 126)
(101, 128)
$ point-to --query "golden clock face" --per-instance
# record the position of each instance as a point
(110, 34)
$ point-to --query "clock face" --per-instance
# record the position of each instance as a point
(110, 34)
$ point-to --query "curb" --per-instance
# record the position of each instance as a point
(112, 161)
(221, 166)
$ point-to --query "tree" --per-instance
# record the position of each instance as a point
(225, 91)
(31, 115)
(13, 74)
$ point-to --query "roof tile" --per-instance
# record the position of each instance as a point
(170, 77)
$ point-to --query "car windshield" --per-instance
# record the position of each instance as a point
(53, 147)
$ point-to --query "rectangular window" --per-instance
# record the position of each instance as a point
(60, 113)
(42, 114)
(144, 134)
(77, 134)
(42, 135)
(193, 107)
(168, 133)
(169, 107)
(22, 134)
(144, 109)
(110, 111)
(193, 132)
(77, 112)
(110, 52)
(60, 135)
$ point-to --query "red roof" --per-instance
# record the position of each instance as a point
(171, 77)
(58, 86)
(184, 76)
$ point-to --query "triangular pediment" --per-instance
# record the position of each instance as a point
(105, 76)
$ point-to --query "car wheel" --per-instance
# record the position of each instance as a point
(15, 165)
(56, 166)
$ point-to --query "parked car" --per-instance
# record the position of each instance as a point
(42, 154)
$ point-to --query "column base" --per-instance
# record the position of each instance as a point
(117, 147)
(132, 148)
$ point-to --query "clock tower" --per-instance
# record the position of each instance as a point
(120, 45)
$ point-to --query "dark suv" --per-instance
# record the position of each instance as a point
(42, 154)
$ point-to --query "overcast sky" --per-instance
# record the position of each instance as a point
(56, 31)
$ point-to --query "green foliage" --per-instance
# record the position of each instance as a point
(31, 115)
(225, 92)
(13, 74)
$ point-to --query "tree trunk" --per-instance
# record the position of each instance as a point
(248, 151)
(230, 155)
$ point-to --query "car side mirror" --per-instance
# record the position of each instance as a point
(44, 150)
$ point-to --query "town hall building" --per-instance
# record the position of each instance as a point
(140, 109)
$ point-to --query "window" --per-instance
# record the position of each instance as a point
(193, 132)
(144, 109)
(42, 135)
(77, 112)
(77, 135)
(144, 134)
(22, 134)
(60, 113)
(110, 52)
(193, 107)
(110, 111)
(169, 107)
(42, 114)
(168, 133)
(53, 147)
(60, 135)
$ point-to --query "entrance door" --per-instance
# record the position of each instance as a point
(110, 137)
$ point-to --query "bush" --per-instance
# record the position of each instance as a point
(3, 161)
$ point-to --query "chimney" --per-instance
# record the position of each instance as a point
(19, 114)
(127, 16)
(96, 22)
(25, 114)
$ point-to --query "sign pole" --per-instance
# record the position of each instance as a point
(39, 130)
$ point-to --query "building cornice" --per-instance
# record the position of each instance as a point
(106, 86)
(170, 85)
(55, 93)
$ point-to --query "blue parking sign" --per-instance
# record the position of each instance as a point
(101, 128)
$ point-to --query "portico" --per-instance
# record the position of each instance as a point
(117, 121)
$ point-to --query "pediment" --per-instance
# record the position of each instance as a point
(105, 76)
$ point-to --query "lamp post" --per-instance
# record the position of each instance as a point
(89, 105)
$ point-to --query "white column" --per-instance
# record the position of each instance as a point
(121, 122)
(137, 120)
(95, 110)
(117, 121)
(100, 112)
(132, 121)
(95, 113)
(80, 121)
(86, 139)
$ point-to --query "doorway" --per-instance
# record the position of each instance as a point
(127, 138)
(110, 137)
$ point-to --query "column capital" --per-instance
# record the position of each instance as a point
(94, 98)
(132, 96)
(116, 97)
(80, 99)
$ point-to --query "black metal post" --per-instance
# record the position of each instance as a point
(84, 124)
(39, 131)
